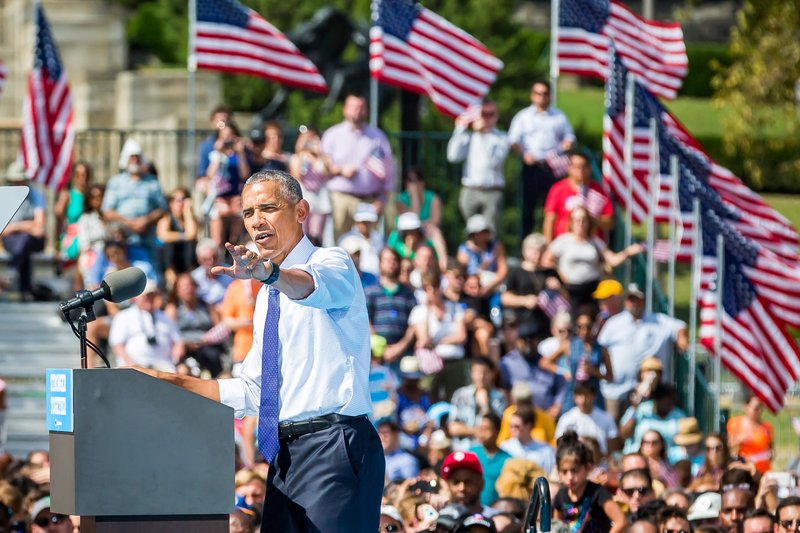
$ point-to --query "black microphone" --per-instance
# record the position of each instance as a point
(117, 287)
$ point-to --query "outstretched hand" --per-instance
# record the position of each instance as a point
(247, 264)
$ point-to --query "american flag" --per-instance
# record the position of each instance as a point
(653, 51)
(758, 220)
(417, 50)
(551, 302)
(3, 75)
(47, 132)
(558, 163)
(231, 37)
(376, 163)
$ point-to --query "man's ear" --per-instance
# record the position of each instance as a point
(303, 210)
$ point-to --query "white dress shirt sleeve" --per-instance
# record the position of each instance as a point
(334, 278)
(458, 145)
(243, 394)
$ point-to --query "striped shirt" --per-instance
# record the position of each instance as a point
(388, 312)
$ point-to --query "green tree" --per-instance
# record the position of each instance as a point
(758, 92)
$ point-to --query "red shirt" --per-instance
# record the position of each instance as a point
(564, 197)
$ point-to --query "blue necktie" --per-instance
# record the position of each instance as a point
(270, 380)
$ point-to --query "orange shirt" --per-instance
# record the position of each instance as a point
(544, 429)
(755, 446)
(240, 303)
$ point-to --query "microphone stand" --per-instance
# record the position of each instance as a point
(86, 315)
(540, 502)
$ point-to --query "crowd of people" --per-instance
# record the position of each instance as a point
(489, 367)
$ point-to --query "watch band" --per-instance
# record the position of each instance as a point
(273, 277)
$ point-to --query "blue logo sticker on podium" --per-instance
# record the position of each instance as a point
(59, 399)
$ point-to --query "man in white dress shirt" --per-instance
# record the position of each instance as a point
(307, 373)
(537, 132)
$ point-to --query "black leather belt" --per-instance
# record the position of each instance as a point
(290, 430)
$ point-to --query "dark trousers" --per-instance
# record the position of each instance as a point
(22, 246)
(536, 182)
(330, 481)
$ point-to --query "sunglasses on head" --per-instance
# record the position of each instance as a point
(44, 521)
(641, 491)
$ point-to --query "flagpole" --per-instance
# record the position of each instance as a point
(627, 154)
(654, 186)
(192, 67)
(373, 82)
(674, 209)
(718, 325)
(555, 6)
(697, 249)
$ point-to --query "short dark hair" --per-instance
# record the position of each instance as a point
(583, 388)
(570, 444)
(670, 511)
(544, 82)
(791, 501)
(483, 360)
(220, 108)
(577, 153)
(526, 414)
(760, 513)
(494, 419)
(663, 391)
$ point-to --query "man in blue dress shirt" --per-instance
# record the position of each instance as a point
(307, 373)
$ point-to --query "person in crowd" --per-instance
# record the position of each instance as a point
(43, 520)
(644, 525)
(92, 234)
(751, 436)
(362, 168)
(412, 402)
(677, 498)
(236, 313)
(440, 333)
(389, 306)
(310, 166)
(477, 315)
(68, 209)
(464, 476)
(609, 299)
(588, 420)
(491, 457)
(521, 445)
(365, 221)
(704, 511)
(526, 282)
(220, 116)
(256, 142)
(577, 189)
(25, 232)
(758, 521)
(555, 350)
(671, 519)
(473, 401)
(134, 199)
(787, 515)
(408, 236)
(483, 151)
(228, 168)
(651, 373)
(582, 258)
(424, 263)
(659, 414)
(352, 245)
(537, 132)
(654, 449)
(273, 155)
(243, 520)
(399, 463)
(716, 458)
(416, 198)
(544, 429)
(736, 502)
(391, 520)
(629, 337)
(522, 364)
(177, 230)
(250, 487)
(583, 504)
(635, 489)
(210, 288)
(587, 360)
(484, 255)
(195, 319)
(143, 335)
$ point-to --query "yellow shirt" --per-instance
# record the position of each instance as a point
(544, 429)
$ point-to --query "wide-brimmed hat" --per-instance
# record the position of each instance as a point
(689, 432)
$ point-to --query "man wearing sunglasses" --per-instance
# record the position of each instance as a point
(44, 521)
(787, 515)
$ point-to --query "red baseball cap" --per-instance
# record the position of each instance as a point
(457, 460)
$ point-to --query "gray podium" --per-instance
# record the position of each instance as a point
(143, 455)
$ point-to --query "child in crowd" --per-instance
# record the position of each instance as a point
(584, 505)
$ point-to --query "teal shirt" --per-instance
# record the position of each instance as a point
(492, 466)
